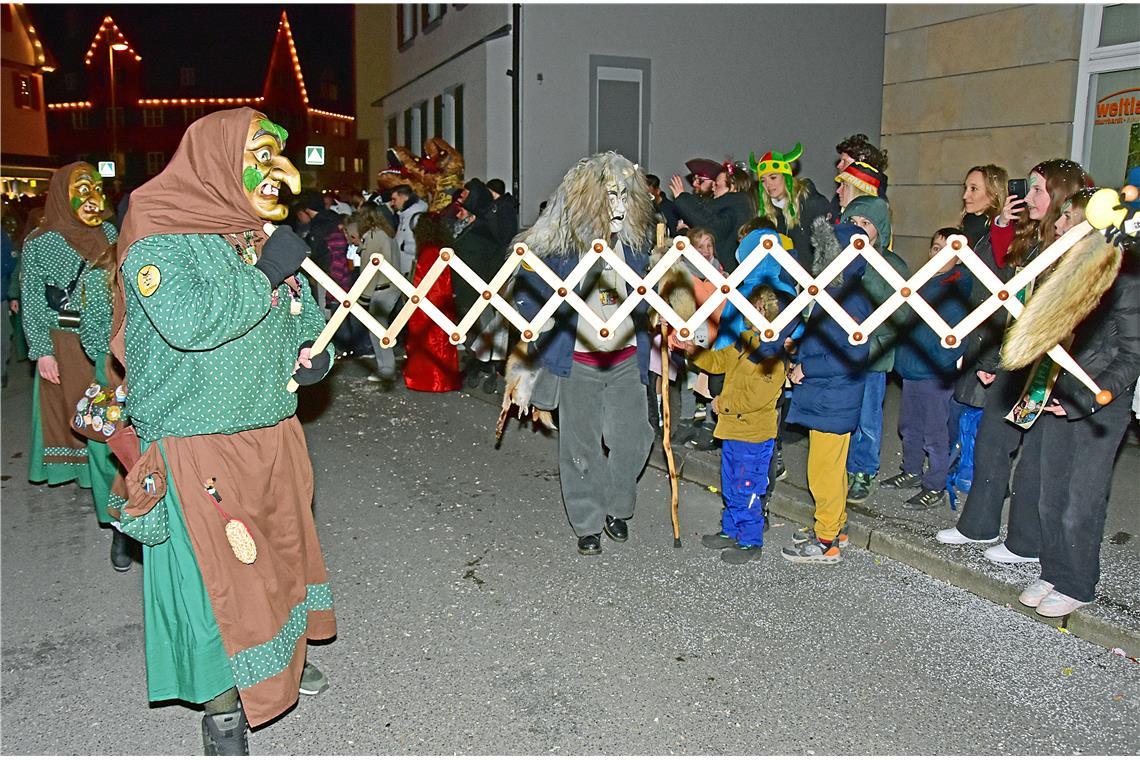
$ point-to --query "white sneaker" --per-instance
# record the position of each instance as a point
(1035, 592)
(954, 537)
(1056, 604)
(1001, 555)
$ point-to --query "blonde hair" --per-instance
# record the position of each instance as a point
(995, 180)
(791, 210)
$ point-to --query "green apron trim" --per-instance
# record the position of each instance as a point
(253, 665)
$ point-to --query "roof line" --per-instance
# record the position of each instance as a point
(502, 31)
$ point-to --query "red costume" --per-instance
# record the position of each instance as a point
(432, 362)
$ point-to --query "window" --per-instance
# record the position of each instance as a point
(340, 163)
(393, 132)
(81, 120)
(421, 122)
(437, 116)
(619, 106)
(116, 116)
(430, 15)
(318, 124)
(453, 103)
(337, 127)
(328, 90)
(191, 114)
(70, 82)
(25, 92)
(153, 117)
(1106, 122)
(186, 76)
(408, 129)
(405, 24)
(155, 160)
(358, 165)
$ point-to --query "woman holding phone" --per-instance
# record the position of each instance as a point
(984, 193)
(1024, 228)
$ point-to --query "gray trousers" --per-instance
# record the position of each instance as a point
(383, 301)
(599, 406)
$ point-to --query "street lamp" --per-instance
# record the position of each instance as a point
(111, 49)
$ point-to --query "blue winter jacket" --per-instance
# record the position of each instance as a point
(919, 354)
(555, 347)
(831, 394)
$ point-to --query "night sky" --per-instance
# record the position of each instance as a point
(228, 45)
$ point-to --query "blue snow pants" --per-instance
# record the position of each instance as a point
(743, 481)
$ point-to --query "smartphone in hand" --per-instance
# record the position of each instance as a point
(1018, 187)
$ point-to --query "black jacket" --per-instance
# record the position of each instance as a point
(1107, 346)
(320, 227)
(477, 245)
(722, 215)
(983, 346)
(813, 206)
(668, 211)
(505, 219)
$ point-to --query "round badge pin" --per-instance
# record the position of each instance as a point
(82, 404)
(97, 424)
(92, 391)
(108, 428)
(79, 421)
(114, 413)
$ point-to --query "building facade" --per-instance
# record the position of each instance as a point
(26, 160)
(542, 85)
(1012, 85)
(116, 120)
(944, 87)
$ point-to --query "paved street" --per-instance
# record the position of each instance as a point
(468, 623)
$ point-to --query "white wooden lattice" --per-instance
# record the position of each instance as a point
(1002, 294)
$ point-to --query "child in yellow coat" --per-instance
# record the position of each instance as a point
(754, 373)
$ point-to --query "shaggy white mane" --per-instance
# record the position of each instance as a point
(579, 213)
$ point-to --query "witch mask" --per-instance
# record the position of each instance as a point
(85, 194)
(264, 169)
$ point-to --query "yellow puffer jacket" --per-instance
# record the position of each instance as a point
(747, 405)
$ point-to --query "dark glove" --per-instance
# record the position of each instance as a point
(315, 373)
(282, 255)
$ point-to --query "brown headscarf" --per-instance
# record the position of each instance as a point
(88, 242)
(199, 191)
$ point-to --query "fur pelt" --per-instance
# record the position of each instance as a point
(826, 248)
(676, 286)
(1062, 302)
(521, 373)
(578, 212)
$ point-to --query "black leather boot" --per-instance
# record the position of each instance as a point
(120, 551)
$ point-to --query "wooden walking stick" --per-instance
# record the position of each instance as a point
(665, 430)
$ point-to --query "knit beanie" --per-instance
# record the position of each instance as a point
(876, 211)
(867, 178)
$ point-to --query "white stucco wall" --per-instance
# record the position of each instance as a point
(725, 79)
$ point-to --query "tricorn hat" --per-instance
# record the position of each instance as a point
(704, 167)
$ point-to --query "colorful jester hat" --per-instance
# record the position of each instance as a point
(778, 163)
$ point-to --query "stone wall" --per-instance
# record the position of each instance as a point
(966, 85)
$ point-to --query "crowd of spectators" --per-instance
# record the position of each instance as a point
(963, 419)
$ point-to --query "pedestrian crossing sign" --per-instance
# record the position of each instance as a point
(107, 169)
(315, 155)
